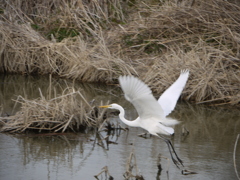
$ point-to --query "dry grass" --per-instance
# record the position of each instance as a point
(84, 56)
(69, 111)
(100, 40)
(72, 58)
(203, 37)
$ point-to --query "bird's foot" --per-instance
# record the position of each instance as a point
(177, 163)
(180, 161)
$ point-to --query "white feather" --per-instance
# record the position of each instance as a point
(140, 95)
(169, 98)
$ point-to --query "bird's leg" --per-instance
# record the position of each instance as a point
(179, 160)
(171, 148)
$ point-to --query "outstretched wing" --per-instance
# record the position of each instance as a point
(140, 95)
(169, 98)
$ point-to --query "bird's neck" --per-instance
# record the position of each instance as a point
(125, 121)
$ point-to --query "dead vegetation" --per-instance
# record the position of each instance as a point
(99, 40)
(67, 112)
(131, 166)
(203, 37)
(68, 43)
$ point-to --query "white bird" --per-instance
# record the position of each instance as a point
(152, 113)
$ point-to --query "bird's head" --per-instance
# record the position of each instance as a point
(111, 106)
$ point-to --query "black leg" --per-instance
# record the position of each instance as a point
(179, 160)
(171, 148)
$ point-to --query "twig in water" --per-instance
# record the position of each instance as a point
(234, 156)
(107, 174)
(159, 165)
(185, 132)
(187, 172)
(128, 174)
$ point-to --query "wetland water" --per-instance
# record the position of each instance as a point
(207, 150)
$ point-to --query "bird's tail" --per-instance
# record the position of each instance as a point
(170, 122)
(165, 130)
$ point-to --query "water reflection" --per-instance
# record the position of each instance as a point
(207, 150)
(12, 86)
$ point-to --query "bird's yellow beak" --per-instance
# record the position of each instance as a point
(106, 106)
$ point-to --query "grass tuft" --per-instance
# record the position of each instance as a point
(67, 112)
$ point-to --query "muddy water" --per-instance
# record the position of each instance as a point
(207, 150)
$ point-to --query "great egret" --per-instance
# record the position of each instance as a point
(152, 113)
